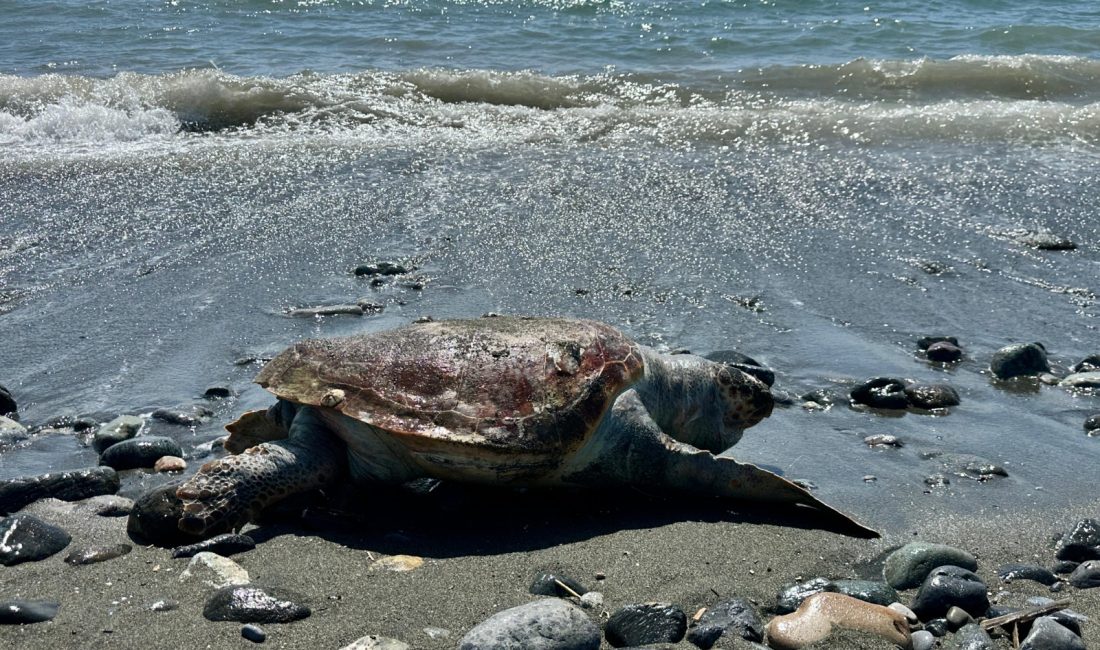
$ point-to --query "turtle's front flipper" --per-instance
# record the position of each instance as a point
(224, 494)
(701, 472)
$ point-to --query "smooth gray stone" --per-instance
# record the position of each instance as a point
(12, 433)
(26, 538)
(1082, 380)
(908, 566)
(1047, 634)
(734, 618)
(20, 612)
(121, 428)
(97, 554)
(1086, 576)
(949, 586)
(1019, 360)
(67, 486)
(139, 452)
(253, 633)
(252, 604)
(791, 596)
(547, 624)
(188, 416)
(923, 640)
(1034, 572)
(972, 637)
(871, 591)
(1080, 543)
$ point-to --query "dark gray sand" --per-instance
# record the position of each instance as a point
(477, 563)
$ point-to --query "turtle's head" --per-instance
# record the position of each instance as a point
(742, 401)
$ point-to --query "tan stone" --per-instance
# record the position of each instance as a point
(170, 464)
(820, 614)
(398, 563)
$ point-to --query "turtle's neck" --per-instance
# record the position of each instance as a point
(675, 390)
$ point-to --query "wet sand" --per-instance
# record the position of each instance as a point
(480, 556)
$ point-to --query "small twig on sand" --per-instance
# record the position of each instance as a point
(699, 614)
(566, 588)
(715, 592)
(371, 556)
(1016, 636)
(1024, 615)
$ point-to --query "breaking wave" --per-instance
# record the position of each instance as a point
(1018, 98)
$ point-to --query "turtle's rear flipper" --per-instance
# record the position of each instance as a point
(701, 472)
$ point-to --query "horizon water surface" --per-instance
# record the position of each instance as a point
(816, 184)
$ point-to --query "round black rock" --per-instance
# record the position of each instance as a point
(21, 612)
(646, 623)
(218, 392)
(791, 596)
(1092, 422)
(926, 342)
(730, 618)
(1086, 576)
(27, 538)
(252, 604)
(546, 584)
(948, 586)
(224, 545)
(1033, 572)
(67, 486)
(881, 393)
(944, 352)
(1090, 363)
(139, 452)
(1019, 360)
(931, 396)
(382, 268)
(254, 633)
(1080, 543)
(155, 516)
(7, 402)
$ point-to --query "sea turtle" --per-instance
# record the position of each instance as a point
(537, 402)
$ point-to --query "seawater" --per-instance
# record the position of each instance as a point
(814, 183)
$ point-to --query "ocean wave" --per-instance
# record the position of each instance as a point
(1023, 98)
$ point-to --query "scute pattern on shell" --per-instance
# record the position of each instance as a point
(508, 384)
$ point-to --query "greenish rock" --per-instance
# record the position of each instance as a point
(121, 428)
(908, 566)
(871, 591)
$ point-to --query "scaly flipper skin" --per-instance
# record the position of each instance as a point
(634, 451)
(226, 493)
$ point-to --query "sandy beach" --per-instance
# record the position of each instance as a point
(480, 558)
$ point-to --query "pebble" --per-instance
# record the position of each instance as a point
(222, 545)
(68, 486)
(790, 597)
(547, 624)
(21, 612)
(397, 563)
(1047, 634)
(948, 586)
(121, 428)
(931, 396)
(169, 464)
(215, 571)
(734, 618)
(871, 591)
(326, 310)
(1034, 572)
(1019, 360)
(7, 402)
(1088, 364)
(937, 626)
(957, 617)
(908, 566)
(592, 600)
(191, 416)
(155, 515)
(139, 452)
(971, 636)
(383, 268)
(937, 481)
(1080, 543)
(11, 432)
(26, 538)
(164, 606)
(944, 352)
(926, 342)
(818, 616)
(646, 623)
(1092, 422)
(252, 604)
(253, 633)
(217, 392)
(923, 640)
(904, 611)
(1043, 240)
(374, 642)
(1082, 380)
(546, 584)
(881, 393)
(1086, 576)
(883, 440)
(95, 554)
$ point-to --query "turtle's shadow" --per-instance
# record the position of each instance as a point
(457, 520)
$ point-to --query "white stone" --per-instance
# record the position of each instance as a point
(215, 571)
